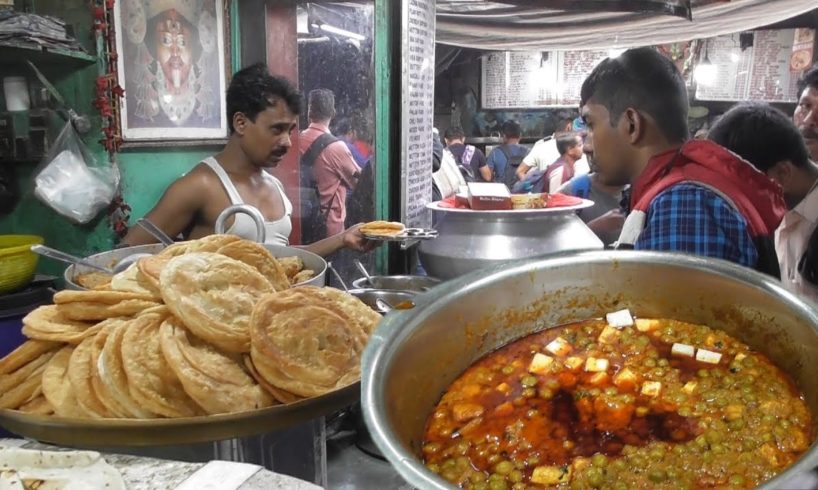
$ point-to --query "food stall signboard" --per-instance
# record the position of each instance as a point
(417, 111)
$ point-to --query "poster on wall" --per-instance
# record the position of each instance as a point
(172, 66)
(417, 111)
(803, 50)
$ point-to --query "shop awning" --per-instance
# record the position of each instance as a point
(601, 24)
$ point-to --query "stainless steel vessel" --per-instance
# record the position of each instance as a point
(397, 283)
(414, 356)
(107, 259)
(471, 240)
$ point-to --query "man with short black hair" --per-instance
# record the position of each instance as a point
(767, 138)
(806, 113)
(262, 113)
(331, 164)
(472, 162)
(687, 196)
(564, 168)
(505, 159)
(545, 152)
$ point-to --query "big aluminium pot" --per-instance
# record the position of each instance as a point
(469, 240)
(414, 355)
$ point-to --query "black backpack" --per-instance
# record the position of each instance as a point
(313, 215)
(465, 166)
(512, 164)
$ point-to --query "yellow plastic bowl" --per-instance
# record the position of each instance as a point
(17, 261)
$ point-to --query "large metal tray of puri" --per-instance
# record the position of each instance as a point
(171, 431)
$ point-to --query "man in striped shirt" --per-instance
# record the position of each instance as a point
(686, 196)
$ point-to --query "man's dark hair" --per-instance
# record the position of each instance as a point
(512, 129)
(253, 89)
(808, 79)
(454, 133)
(321, 105)
(760, 134)
(645, 80)
(561, 125)
(566, 141)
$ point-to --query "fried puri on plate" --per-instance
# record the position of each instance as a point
(217, 382)
(214, 296)
(79, 375)
(25, 353)
(24, 384)
(105, 395)
(111, 373)
(257, 256)
(38, 406)
(151, 381)
(291, 265)
(99, 311)
(210, 243)
(339, 302)
(128, 281)
(382, 228)
(150, 268)
(282, 396)
(57, 388)
(303, 348)
(48, 323)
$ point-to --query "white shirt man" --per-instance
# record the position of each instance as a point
(543, 154)
(791, 241)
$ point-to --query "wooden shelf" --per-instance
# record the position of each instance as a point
(17, 53)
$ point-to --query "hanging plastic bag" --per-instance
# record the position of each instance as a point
(71, 181)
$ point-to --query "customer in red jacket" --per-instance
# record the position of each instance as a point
(686, 196)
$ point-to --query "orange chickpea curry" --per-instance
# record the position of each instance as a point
(618, 404)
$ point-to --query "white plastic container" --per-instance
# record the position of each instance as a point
(15, 90)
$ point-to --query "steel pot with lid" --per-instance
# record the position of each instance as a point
(469, 240)
(414, 356)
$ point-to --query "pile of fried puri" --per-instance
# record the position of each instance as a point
(207, 327)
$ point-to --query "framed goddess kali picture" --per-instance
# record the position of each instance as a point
(172, 66)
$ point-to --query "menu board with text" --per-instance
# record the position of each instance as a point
(514, 80)
(732, 69)
(760, 72)
(417, 111)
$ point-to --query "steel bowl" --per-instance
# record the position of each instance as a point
(397, 283)
(414, 356)
(391, 297)
(110, 258)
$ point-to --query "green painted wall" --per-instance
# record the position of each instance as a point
(145, 175)
(145, 172)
